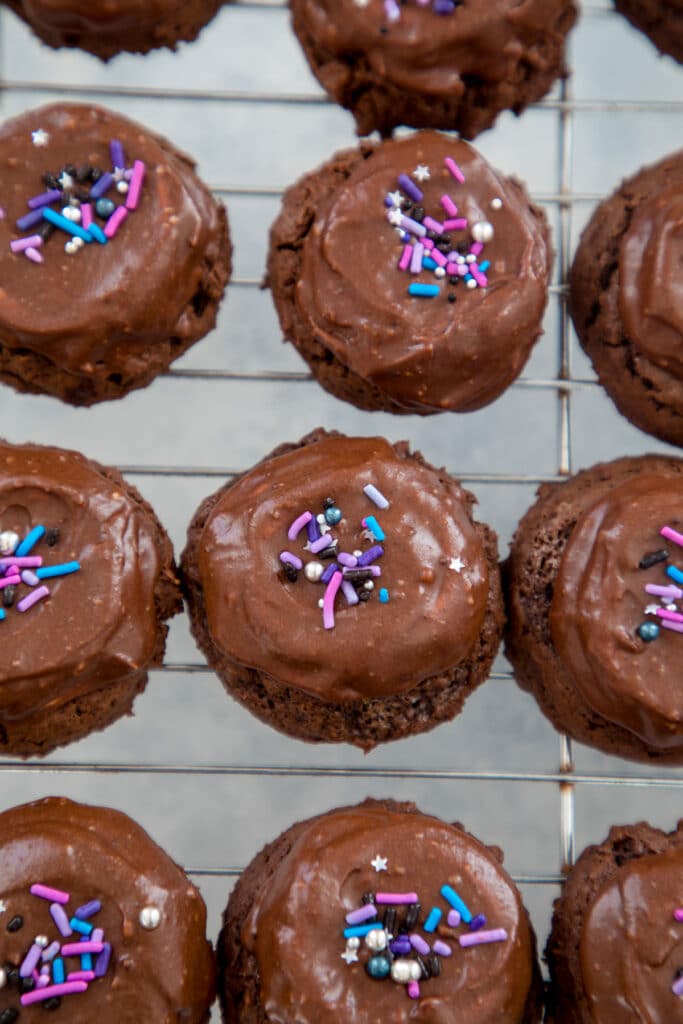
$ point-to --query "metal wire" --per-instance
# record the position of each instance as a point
(564, 200)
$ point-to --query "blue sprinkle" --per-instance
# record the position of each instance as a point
(374, 527)
(468, 277)
(427, 291)
(98, 234)
(485, 266)
(29, 541)
(86, 962)
(3, 614)
(384, 595)
(361, 929)
(58, 973)
(433, 919)
(429, 263)
(675, 574)
(451, 896)
(71, 228)
(82, 927)
(46, 572)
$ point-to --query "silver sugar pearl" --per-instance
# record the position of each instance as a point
(353, 942)
(496, 204)
(471, 284)
(401, 971)
(42, 941)
(482, 231)
(72, 213)
(439, 272)
(369, 585)
(122, 187)
(3, 977)
(9, 542)
(470, 258)
(150, 918)
(415, 970)
(376, 939)
(313, 571)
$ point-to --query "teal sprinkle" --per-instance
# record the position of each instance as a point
(485, 266)
(384, 595)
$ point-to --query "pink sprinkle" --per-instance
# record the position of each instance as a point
(419, 944)
(81, 976)
(61, 920)
(363, 913)
(42, 981)
(677, 627)
(428, 244)
(328, 601)
(672, 535)
(115, 221)
(669, 593)
(298, 525)
(78, 948)
(86, 215)
(136, 181)
(678, 914)
(9, 581)
(449, 206)
(397, 898)
(27, 562)
(404, 261)
(462, 270)
(414, 989)
(416, 258)
(483, 938)
(433, 225)
(664, 613)
(476, 248)
(481, 279)
(19, 244)
(454, 169)
(451, 268)
(439, 258)
(33, 255)
(453, 918)
(349, 592)
(441, 948)
(44, 891)
(459, 224)
(39, 995)
(27, 602)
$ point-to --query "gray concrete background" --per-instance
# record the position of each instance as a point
(208, 782)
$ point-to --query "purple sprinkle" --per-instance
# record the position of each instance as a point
(400, 946)
(97, 935)
(94, 906)
(389, 202)
(453, 918)
(51, 952)
(348, 560)
(419, 944)
(376, 551)
(287, 558)
(102, 185)
(477, 922)
(312, 529)
(29, 220)
(364, 913)
(319, 545)
(329, 572)
(44, 199)
(61, 920)
(29, 578)
(102, 962)
(118, 158)
(413, 225)
(443, 6)
(409, 186)
(30, 960)
(349, 592)
(441, 948)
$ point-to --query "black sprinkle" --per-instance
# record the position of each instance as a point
(52, 1004)
(95, 174)
(81, 195)
(26, 985)
(463, 249)
(52, 536)
(424, 967)
(15, 924)
(412, 914)
(71, 170)
(434, 965)
(390, 919)
(83, 173)
(418, 214)
(9, 1015)
(12, 973)
(8, 596)
(654, 557)
(330, 552)
(451, 297)
(364, 595)
(51, 181)
(328, 502)
(453, 280)
(358, 575)
(45, 230)
(290, 572)
(368, 897)
(432, 235)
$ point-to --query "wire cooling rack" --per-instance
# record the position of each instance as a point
(209, 782)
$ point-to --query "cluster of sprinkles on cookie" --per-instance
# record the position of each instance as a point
(392, 8)
(397, 949)
(669, 614)
(19, 566)
(80, 197)
(427, 242)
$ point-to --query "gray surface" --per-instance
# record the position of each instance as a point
(209, 782)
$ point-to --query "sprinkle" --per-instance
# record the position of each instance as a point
(287, 558)
(414, 989)
(384, 595)
(81, 948)
(29, 220)
(433, 919)
(433, 225)
(453, 918)
(32, 254)
(453, 169)
(82, 927)
(98, 234)
(449, 206)
(476, 248)
(329, 572)
(3, 614)
(416, 258)
(29, 562)
(442, 948)
(458, 224)
(30, 960)
(677, 987)
(396, 898)
(328, 600)
(45, 892)
(363, 913)
(675, 574)
(40, 137)
(48, 572)
(477, 923)
(29, 578)
(392, 10)
(485, 265)
(677, 627)
(27, 544)
(66, 989)
(97, 935)
(115, 221)
(36, 595)
(298, 525)
(53, 195)
(427, 291)
(669, 593)
(349, 592)
(118, 158)
(86, 961)
(319, 545)
(410, 188)
(347, 560)
(664, 613)
(102, 185)
(451, 896)
(9, 581)
(102, 962)
(63, 224)
(673, 535)
(678, 914)
(483, 938)
(86, 216)
(361, 929)
(422, 172)
(376, 551)
(81, 976)
(406, 257)
(58, 973)
(150, 918)
(413, 225)
(371, 492)
(312, 529)
(61, 920)
(439, 258)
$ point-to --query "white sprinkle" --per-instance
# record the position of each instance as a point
(40, 137)
(379, 863)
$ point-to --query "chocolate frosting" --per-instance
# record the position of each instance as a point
(427, 52)
(165, 974)
(295, 925)
(427, 353)
(99, 624)
(83, 16)
(600, 600)
(631, 947)
(651, 281)
(100, 310)
(259, 618)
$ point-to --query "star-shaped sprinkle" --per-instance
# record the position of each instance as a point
(396, 198)
(350, 955)
(40, 137)
(456, 564)
(651, 609)
(422, 173)
(119, 174)
(395, 216)
(65, 181)
(3, 906)
(379, 863)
